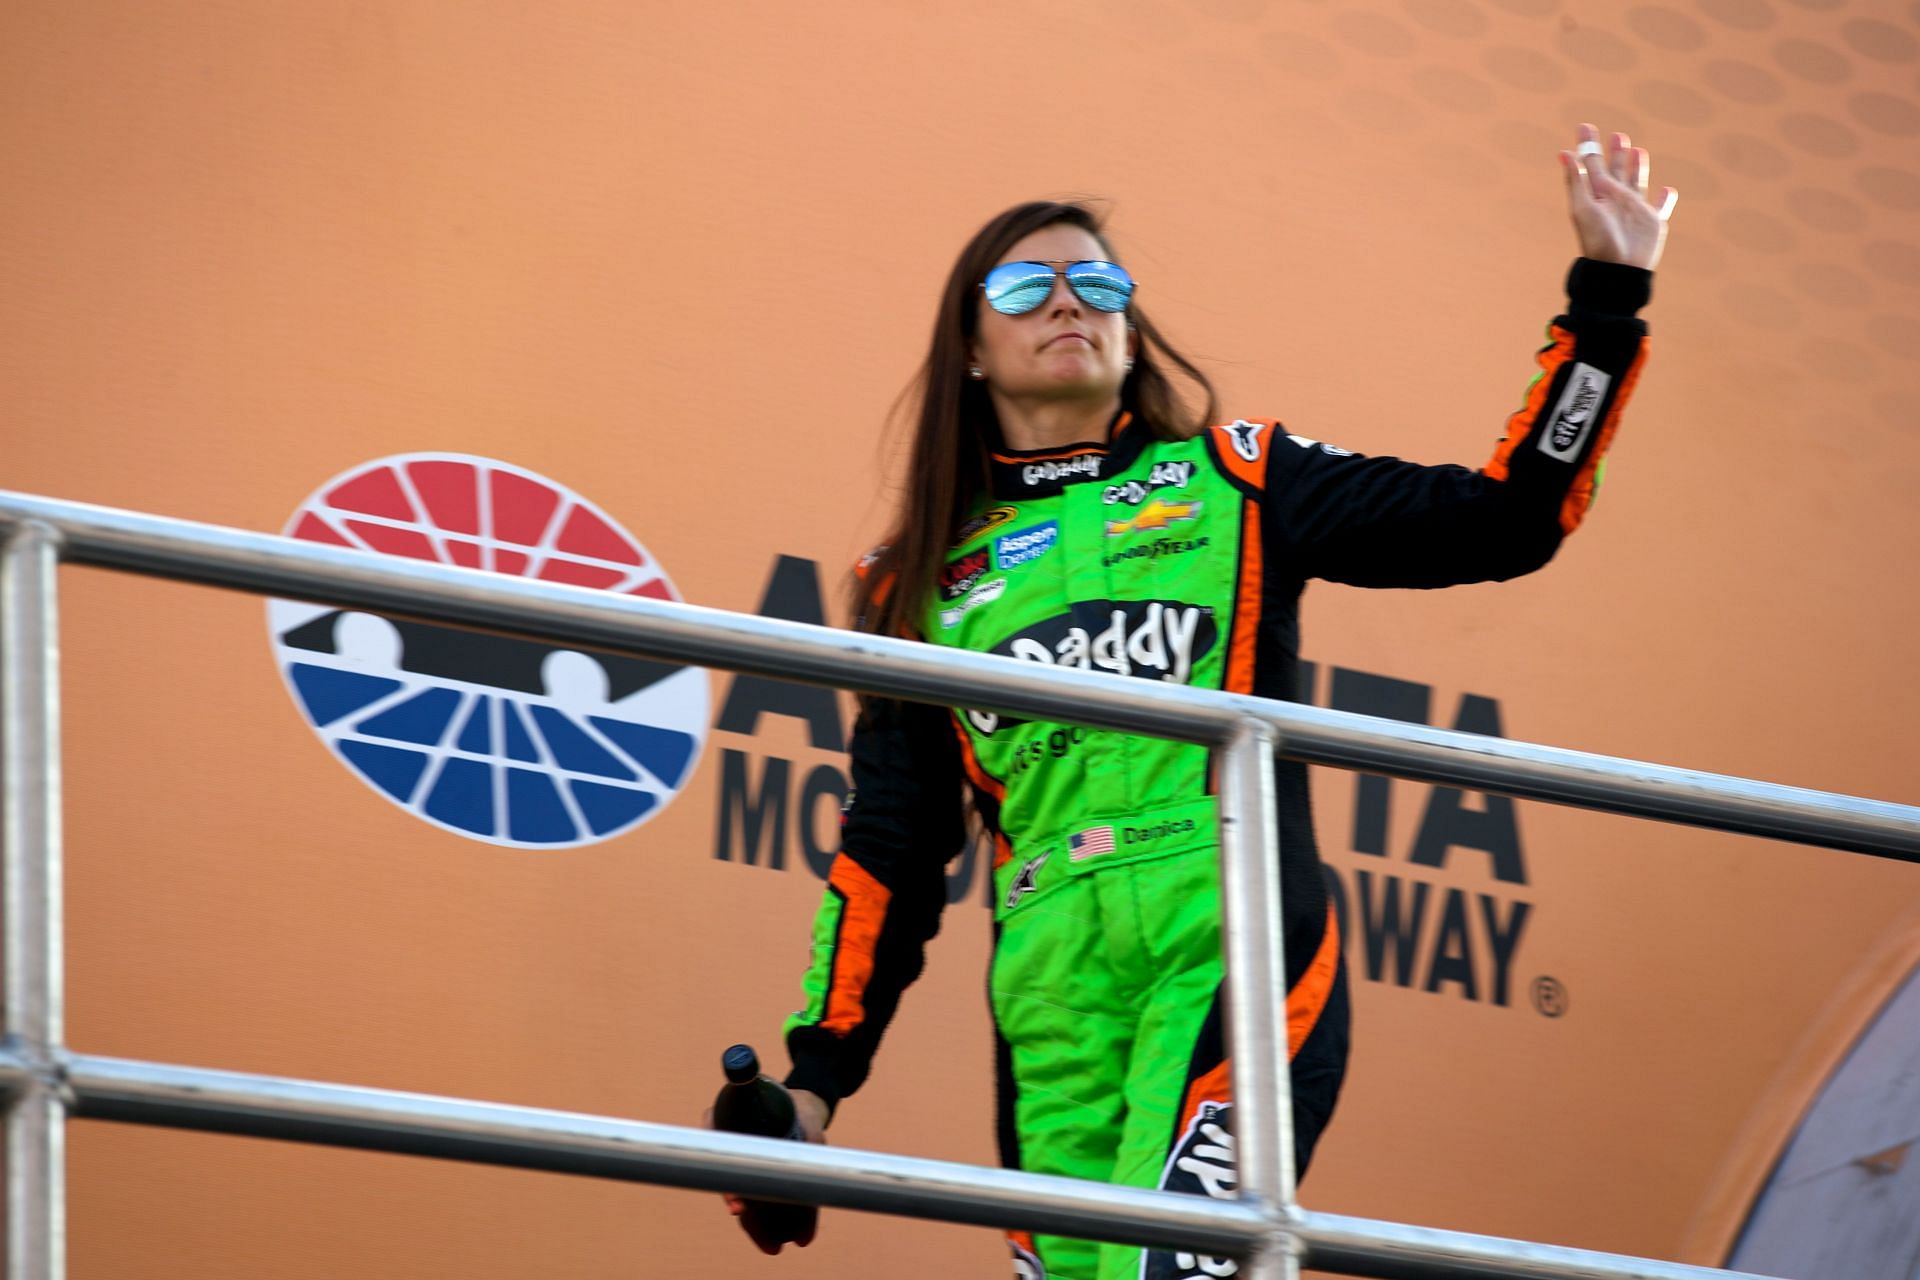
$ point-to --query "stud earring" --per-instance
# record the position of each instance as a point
(976, 373)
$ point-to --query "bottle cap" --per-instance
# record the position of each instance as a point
(740, 1063)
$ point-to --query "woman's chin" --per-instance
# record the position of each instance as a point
(1079, 381)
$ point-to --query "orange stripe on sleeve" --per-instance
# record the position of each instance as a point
(975, 773)
(877, 592)
(1002, 847)
(1550, 359)
(860, 921)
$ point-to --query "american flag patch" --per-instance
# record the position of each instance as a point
(1090, 843)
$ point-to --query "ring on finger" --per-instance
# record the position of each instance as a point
(1589, 148)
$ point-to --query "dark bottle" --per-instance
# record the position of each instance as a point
(752, 1103)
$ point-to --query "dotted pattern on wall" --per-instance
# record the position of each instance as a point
(1790, 127)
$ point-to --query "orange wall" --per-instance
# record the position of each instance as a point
(681, 258)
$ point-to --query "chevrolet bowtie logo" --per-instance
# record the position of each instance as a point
(1156, 514)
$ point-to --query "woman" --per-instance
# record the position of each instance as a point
(1065, 508)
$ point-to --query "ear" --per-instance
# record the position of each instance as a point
(1133, 343)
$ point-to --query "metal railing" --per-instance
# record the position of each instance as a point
(1264, 1226)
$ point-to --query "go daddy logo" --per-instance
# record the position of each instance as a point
(507, 741)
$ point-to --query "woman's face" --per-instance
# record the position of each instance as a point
(1063, 349)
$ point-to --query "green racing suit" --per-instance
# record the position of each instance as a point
(1181, 561)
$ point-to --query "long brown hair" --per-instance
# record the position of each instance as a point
(947, 469)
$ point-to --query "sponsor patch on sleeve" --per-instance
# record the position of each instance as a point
(1246, 438)
(1308, 442)
(1572, 418)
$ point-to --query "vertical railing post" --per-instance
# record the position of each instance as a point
(1256, 983)
(31, 914)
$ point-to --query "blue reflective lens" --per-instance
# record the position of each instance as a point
(1015, 288)
(1104, 286)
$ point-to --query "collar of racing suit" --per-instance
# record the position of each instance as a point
(1044, 473)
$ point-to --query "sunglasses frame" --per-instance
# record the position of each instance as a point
(1062, 269)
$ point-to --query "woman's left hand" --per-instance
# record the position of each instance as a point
(1607, 196)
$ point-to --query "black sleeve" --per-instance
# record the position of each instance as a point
(903, 821)
(1382, 522)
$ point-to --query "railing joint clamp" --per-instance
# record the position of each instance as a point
(1281, 1230)
(29, 531)
(40, 1068)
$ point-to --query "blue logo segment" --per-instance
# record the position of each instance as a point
(398, 742)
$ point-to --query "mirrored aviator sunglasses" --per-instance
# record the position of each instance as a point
(1015, 288)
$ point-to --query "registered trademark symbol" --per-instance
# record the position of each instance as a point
(1549, 997)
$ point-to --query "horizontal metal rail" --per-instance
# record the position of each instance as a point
(671, 1155)
(663, 1154)
(219, 556)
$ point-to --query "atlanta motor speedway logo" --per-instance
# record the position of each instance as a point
(511, 742)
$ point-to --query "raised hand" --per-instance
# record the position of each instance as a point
(1607, 196)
